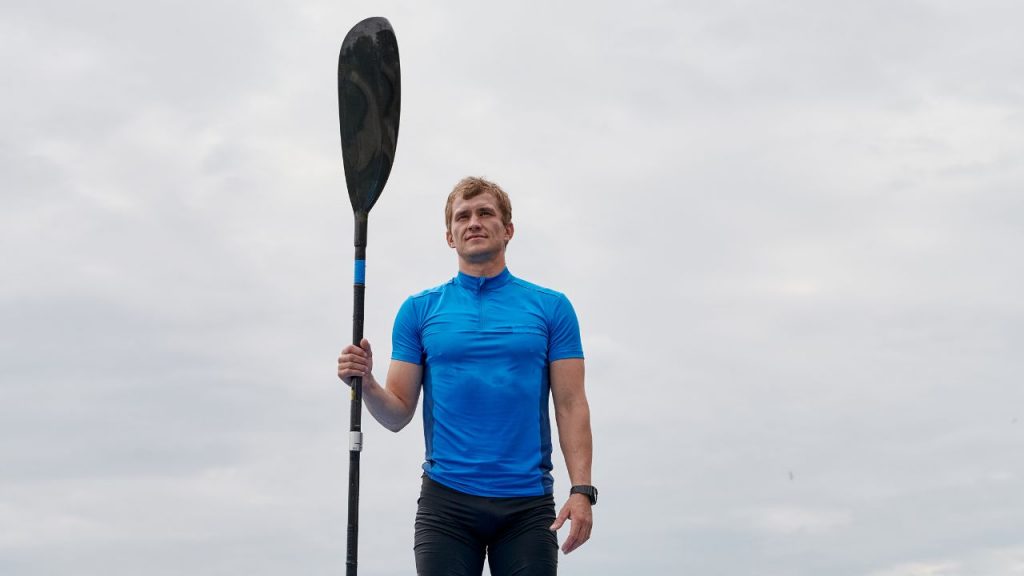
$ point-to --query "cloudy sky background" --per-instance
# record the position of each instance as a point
(791, 230)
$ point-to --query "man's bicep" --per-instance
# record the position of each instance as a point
(567, 378)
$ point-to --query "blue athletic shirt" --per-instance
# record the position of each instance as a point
(485, 345)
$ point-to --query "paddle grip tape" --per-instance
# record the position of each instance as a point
(355, 441)
(361, 272)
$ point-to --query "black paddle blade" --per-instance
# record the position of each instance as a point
(369, 98)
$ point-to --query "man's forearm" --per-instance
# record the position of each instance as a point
(386, 407)
(575, 438)
(394, 405)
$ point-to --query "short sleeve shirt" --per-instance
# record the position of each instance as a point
(485, 345)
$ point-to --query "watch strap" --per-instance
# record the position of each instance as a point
(587, 490)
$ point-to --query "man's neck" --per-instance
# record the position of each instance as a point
(486, 269)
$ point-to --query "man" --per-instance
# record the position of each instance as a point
(486, 348)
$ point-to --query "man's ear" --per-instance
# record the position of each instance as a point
(510, 231)
(451, 239)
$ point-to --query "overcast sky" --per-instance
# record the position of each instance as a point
(792, 232)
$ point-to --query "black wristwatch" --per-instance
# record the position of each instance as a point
(588, 491)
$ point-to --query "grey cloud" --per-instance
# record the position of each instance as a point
(789, 230)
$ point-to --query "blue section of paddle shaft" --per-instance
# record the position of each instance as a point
(361, 272)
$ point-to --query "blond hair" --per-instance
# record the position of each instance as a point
(472, 186)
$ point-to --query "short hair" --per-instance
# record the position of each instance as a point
(472, 186)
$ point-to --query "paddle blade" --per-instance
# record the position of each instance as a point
(369, 98)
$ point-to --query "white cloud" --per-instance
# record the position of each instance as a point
(920, 569)
(795, 520)
(985, 561)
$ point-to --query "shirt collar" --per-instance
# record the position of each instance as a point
(478, 283)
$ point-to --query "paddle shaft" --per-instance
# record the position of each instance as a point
(355, 428)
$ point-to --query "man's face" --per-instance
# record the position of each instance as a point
(477, 233)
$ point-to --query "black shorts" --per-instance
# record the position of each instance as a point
(456, 531)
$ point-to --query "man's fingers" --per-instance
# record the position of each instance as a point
(582, 521)
(356, 357)
(584, 534)
(572, 541)
(355, 361)
(352, 350)
(579, 532)
(578, 536)
(562, 516)
(570, 544)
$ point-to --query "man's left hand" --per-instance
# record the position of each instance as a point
(578, 511)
